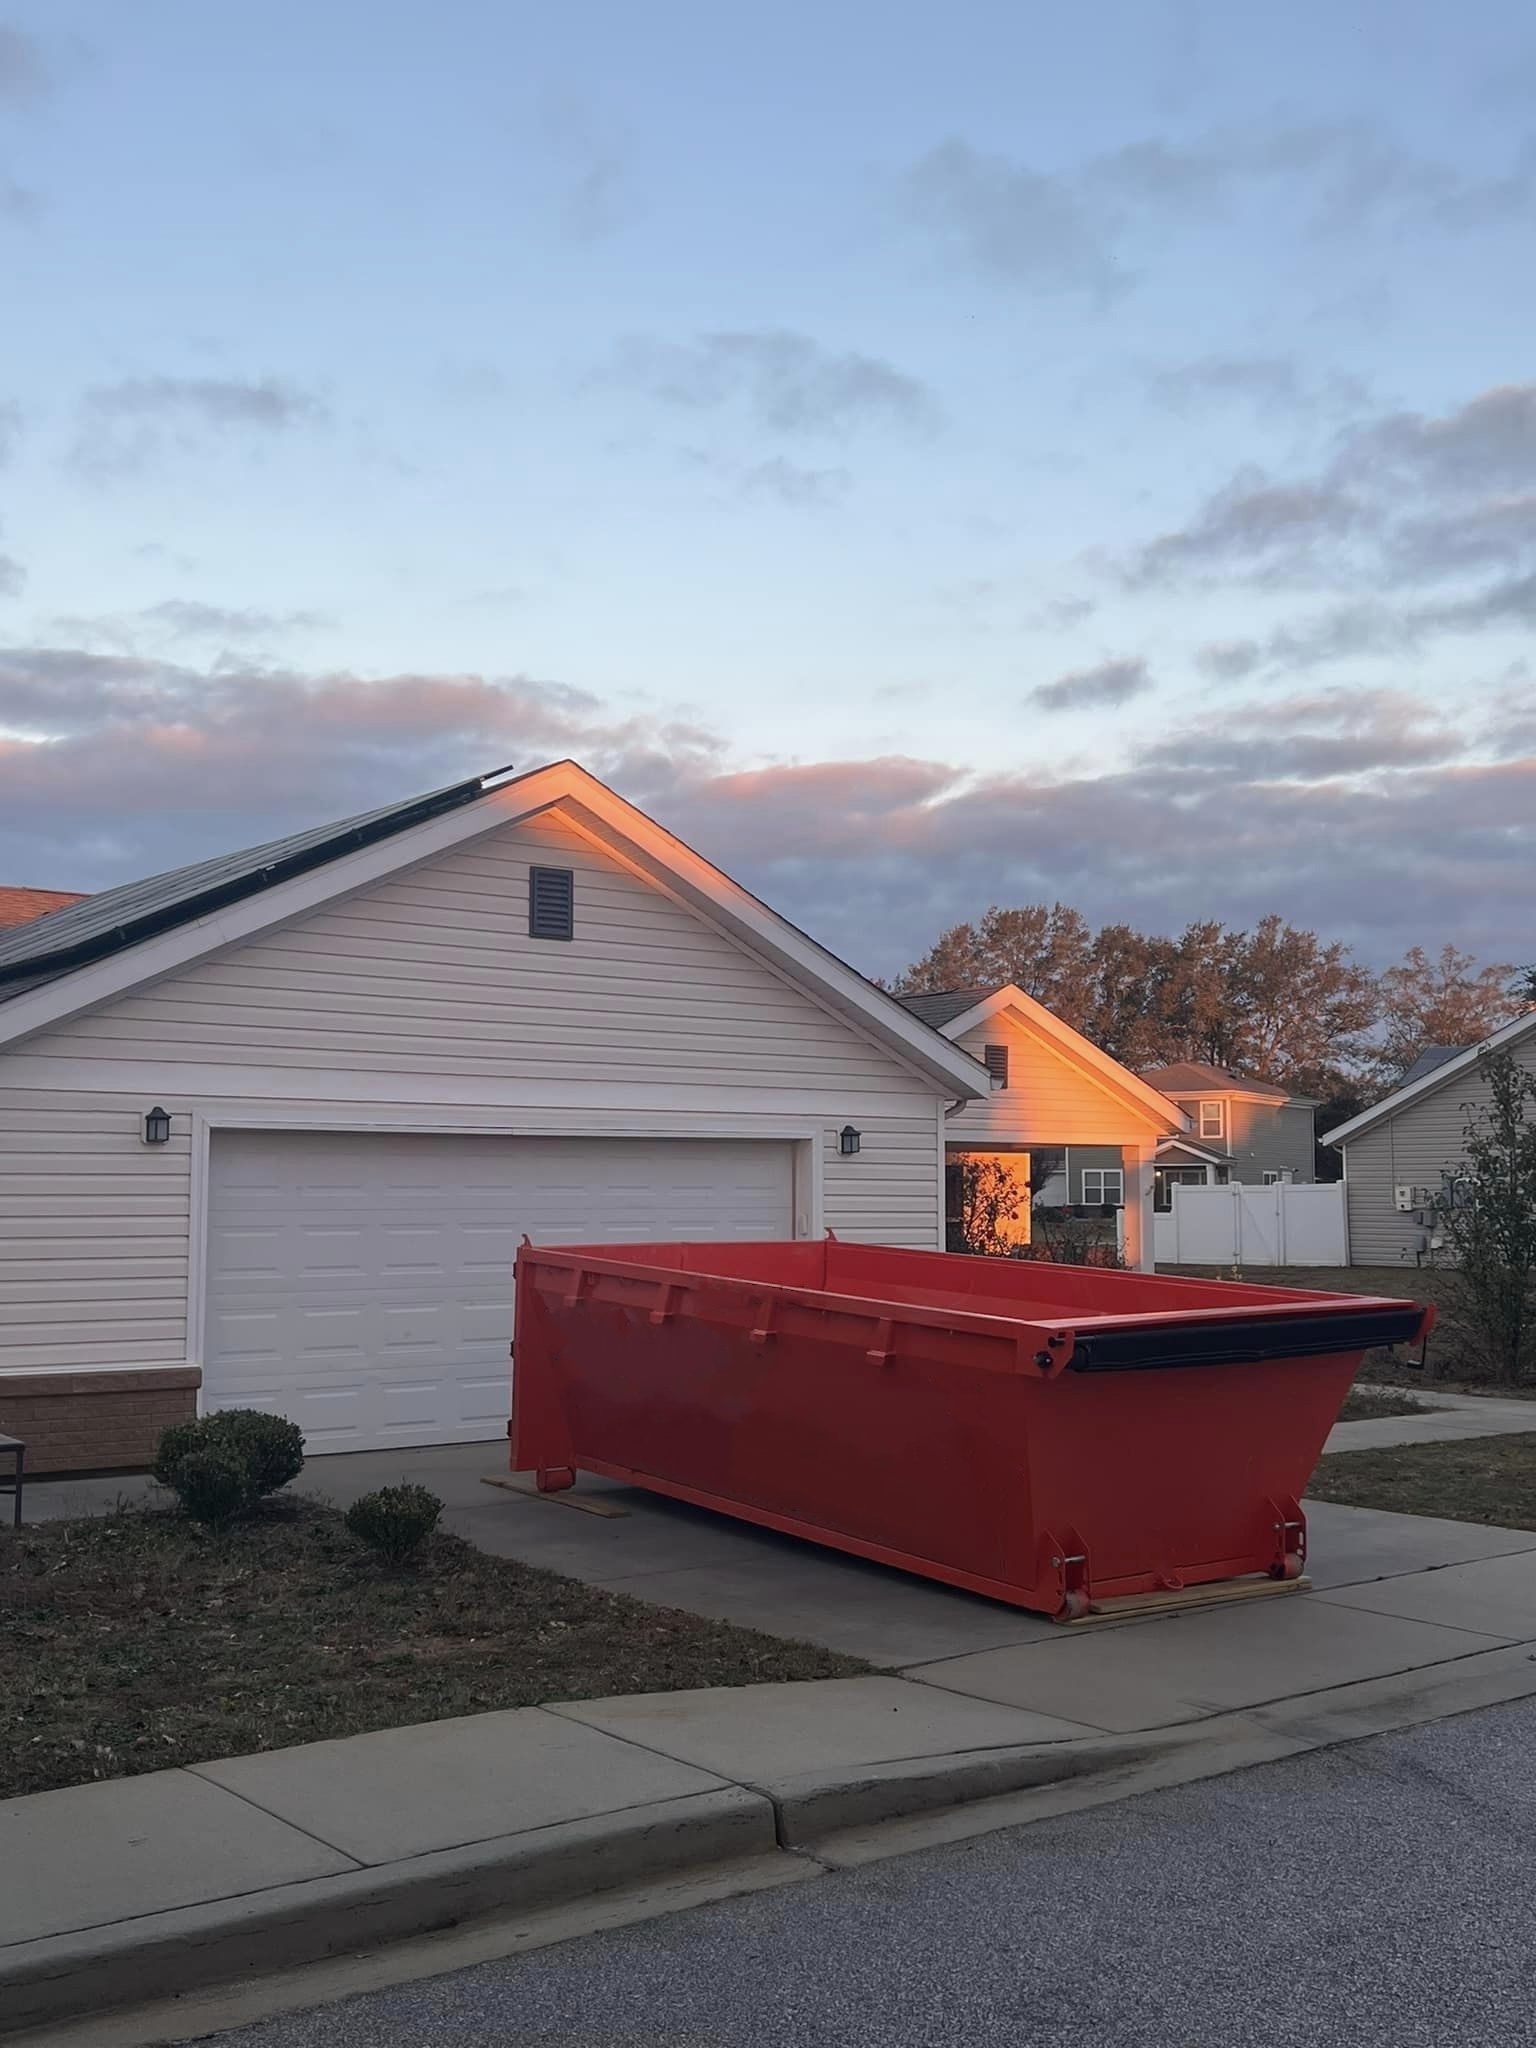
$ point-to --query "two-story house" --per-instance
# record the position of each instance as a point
(1237, 1128)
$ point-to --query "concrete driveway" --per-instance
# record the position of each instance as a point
(680, 1556)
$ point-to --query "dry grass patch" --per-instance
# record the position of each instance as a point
(135, 1641)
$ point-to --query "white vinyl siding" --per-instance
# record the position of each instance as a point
(433, 973)
(423, 1002)
(1424, 1141)
(1048, 1101)
(93, 1234)
(891, 1191)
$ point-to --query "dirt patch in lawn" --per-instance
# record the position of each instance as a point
(135, 1641)
(1378, 1403)
(1479, 1479)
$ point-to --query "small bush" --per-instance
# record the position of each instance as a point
(271, 1447)
(212, 1484)
(263, 1452)
(175, 1444)
(395, 1521)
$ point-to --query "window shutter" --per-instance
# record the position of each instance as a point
(995, 1058)
(551, 903)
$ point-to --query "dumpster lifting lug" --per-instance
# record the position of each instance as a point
(555, 1478)
(1290, 1530)
(879, 1352)
(666, 1306)
(763, 1328)
(1065, 1557)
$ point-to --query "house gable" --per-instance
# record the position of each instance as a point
(636, 842)
(1061, 1090)
(1461, 1068)
(432, 973)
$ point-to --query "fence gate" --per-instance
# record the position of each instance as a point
(1279, 1225)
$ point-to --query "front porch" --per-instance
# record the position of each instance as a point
(1005, 1201)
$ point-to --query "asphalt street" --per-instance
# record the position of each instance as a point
(1379, 1893)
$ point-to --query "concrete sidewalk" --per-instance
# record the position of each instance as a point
(1453, 1418)
(139, 1888)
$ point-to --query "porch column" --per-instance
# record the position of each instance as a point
(1137, 1162)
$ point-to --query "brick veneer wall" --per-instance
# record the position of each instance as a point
(95, 1421)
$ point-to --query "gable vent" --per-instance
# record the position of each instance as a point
(551, 903)
(995, 1058)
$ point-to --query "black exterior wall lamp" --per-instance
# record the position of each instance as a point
(848, 1140)
(157, 1126)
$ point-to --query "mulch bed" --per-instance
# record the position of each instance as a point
(135, 1641)
(1478, 1479)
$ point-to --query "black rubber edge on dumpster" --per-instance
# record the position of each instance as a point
(1244, 1343)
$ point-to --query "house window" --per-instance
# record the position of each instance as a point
(1279, 1176)
(1103, 1186)
(995, 1059)
(551, 903)
(1167, 1178)
(1213, 1119)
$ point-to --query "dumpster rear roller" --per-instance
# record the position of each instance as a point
(1057, 1437)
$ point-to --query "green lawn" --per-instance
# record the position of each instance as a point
(135, 1641)
(1480, 1479)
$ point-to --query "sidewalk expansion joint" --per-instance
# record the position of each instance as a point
(198, 1771)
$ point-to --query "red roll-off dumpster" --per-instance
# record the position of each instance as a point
(1051, 1436)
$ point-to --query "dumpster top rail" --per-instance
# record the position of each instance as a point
(1051, 1318)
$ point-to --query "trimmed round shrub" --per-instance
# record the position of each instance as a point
(175, 1444)
(263, 1451)
(395, 1521)
(212, 1484)
(271, 1446)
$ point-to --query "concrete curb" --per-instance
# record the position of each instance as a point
(834, 1819)
(66, 1976)
(825, 1803)
(164, 1955)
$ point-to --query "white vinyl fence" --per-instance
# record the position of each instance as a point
(1281, 1225)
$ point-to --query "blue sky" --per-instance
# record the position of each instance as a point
(930, 457)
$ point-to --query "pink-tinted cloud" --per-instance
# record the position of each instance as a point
(1355, 811)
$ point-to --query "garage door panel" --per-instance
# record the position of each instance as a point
(362, 1283)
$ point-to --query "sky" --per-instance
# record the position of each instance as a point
(928, 457)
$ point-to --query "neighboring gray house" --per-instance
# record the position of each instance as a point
(1238, 1129)
(1397, 1154)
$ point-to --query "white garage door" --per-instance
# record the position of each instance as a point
(363, 1284)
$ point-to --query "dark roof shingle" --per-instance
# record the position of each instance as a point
(1194, 1077)
(1429, 1059)
(95, 926)
(942, 1006)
